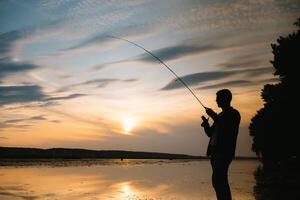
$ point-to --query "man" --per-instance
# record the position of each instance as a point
(221, 148)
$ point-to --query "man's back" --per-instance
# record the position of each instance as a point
(225, 131)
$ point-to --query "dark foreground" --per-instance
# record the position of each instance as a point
(277, 184)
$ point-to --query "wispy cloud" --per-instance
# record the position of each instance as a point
(71, 96)
(99, 83)
(196, 47)
(105, 65)
(238, 14)
(238, 83)
(104, 40)
(105, 81)
(100, 39)
(256, 72)
(7, 67)
(15, 122)
(56, 121)
(203, 77)
(21, 94)
(34, 104)
(53, 4)
(193, 79)
(245, 61)
(34, 118)
(8, 39)
(15, 194)
(170, 53)
(29, 93)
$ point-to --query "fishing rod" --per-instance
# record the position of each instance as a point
(154, 56)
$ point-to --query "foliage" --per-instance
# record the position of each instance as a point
(274, 128)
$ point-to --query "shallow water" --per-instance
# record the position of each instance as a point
(116, 180)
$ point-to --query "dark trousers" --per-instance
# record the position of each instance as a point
(220, 165)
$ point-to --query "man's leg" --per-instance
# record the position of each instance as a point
(220, 177)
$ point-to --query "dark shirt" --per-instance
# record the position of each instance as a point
(223, 133)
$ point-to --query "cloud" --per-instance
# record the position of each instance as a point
(21, 94)
(105, 81)
(239, 14)
(106, 40)
(259, 71)
(94, 40)
(34, 118)
(99, 83)
(179, 51)
(28, 94)
(15, 122)
(197, 78)
(33, 105)
(245, 61)
(8, 39)
(235, 83)
(238, 83)
(19, 196)
(53, 4)
(71, 96)
(56, 121)
(102, 66)
(195, 47)
(194, 79)
(165, 54)
(8, 66)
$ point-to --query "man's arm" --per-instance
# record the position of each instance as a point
(207, 128)
(211, 113)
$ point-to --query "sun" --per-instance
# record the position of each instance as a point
(128, 123)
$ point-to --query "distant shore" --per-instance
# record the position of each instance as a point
(65, 153)
(19, 153)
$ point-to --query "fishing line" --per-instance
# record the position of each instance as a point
(154, 56)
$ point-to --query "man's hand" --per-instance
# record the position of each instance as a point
(211, 113)
(204, 122)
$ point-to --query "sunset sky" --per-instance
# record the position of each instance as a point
(65, 83)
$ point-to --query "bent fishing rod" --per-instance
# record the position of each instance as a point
(162, 62)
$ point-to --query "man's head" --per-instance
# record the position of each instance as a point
(224, 97)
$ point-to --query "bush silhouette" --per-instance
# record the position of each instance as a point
(274, 128)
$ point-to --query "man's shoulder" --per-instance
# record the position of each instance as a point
(235, 112)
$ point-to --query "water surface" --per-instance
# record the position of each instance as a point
(118, 180)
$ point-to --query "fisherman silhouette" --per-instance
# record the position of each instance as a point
(221, 148)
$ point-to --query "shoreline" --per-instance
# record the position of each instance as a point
(55, 162)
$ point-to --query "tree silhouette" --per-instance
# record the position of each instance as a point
(275, 126)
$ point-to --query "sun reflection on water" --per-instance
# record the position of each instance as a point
(157, 180)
